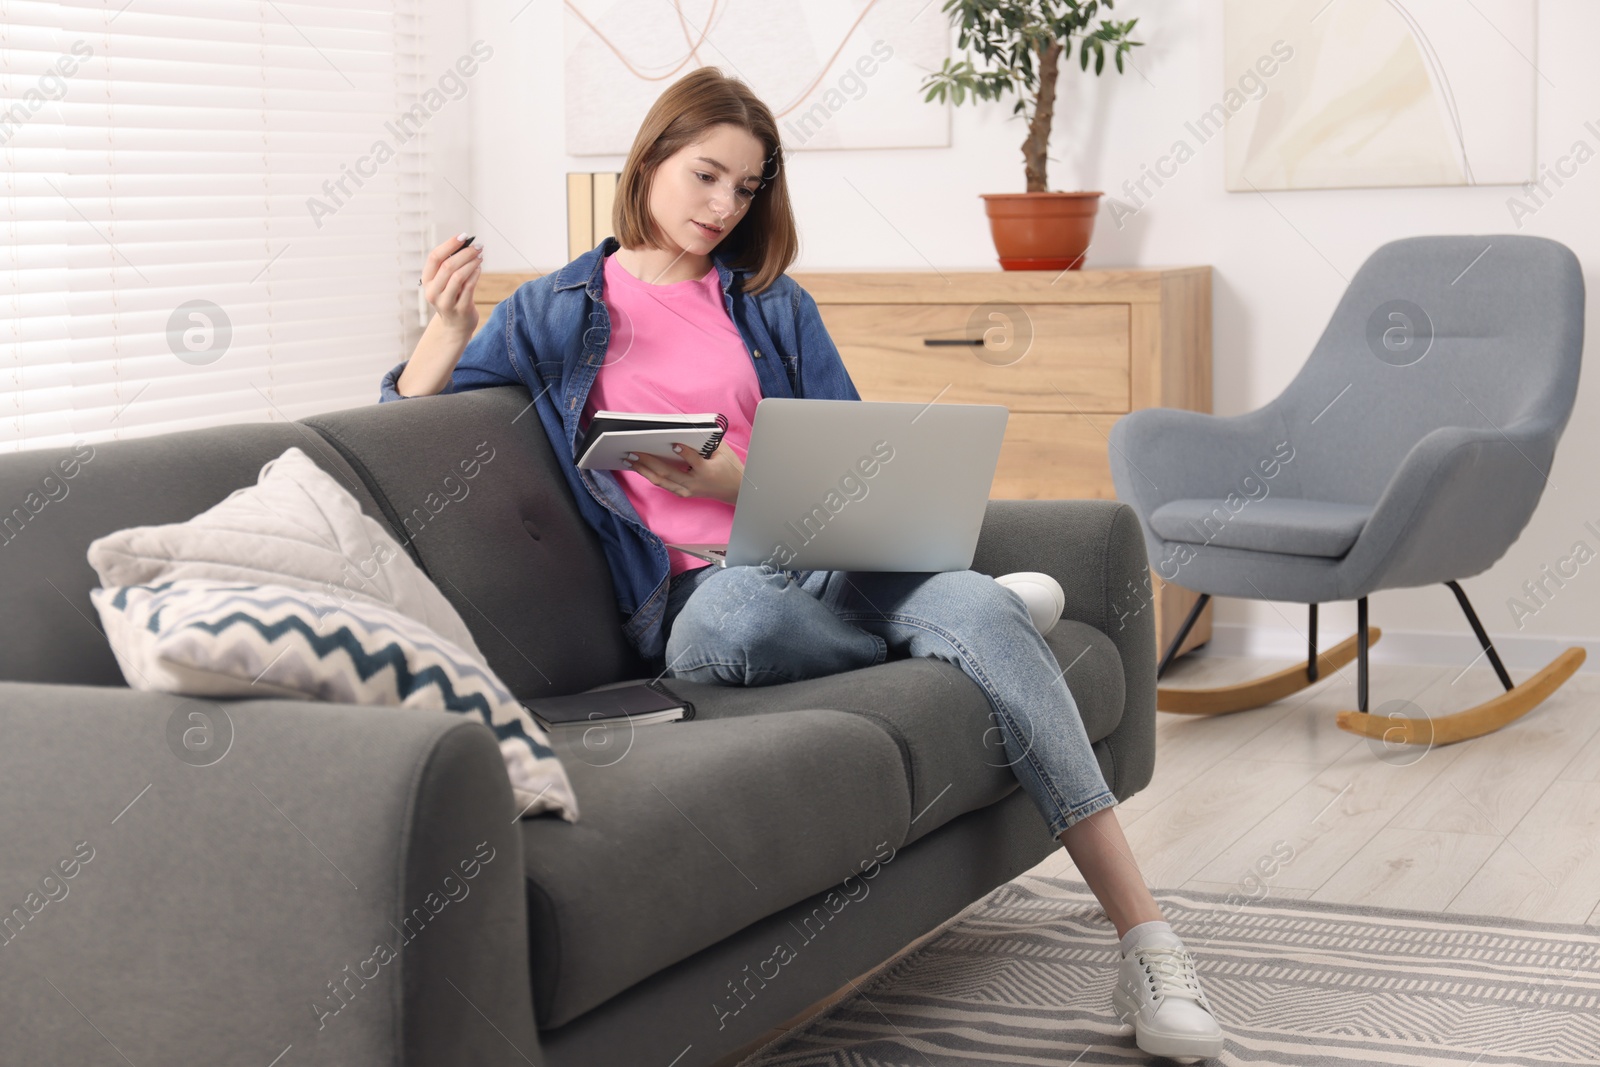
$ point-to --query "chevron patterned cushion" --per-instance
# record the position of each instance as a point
(209, 637)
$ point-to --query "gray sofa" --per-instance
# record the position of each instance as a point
(344, 885)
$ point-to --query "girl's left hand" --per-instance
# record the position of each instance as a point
(687, 473)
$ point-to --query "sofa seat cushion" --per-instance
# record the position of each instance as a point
(940, 720)
(799, 784)
(1273, 524)
(692, 831)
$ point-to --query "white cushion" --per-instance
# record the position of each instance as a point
(297, 526)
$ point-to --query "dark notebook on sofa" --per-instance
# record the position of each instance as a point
(636, 705)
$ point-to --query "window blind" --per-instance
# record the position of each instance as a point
(202, 223)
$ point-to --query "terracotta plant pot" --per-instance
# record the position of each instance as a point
(1041, 231)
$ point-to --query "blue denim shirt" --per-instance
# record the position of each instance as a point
(550, 336)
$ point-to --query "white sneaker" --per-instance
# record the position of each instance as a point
(1159, 993)
(1041, 593)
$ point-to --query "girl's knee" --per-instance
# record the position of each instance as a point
(726, 611)
(736, 592)
(978, 592)
(972, 605)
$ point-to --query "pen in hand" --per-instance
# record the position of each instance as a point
(464, 244)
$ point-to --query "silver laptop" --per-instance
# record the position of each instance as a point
(862, 485)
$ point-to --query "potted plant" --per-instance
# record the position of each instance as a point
(1027, 41)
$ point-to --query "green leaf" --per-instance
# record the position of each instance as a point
(1099, 59)
(1083, 57)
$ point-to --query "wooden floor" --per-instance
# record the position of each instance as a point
(1507, 824)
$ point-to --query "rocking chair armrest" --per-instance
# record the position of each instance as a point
(1164, 454)
(1458, 500)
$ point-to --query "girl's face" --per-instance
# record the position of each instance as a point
(700, 193)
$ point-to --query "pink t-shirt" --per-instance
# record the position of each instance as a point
(673, 348)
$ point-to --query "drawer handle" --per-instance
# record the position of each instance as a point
(952, 341)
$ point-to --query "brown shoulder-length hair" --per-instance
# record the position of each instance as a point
(764, 241)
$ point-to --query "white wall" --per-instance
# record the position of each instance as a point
(1280, 260)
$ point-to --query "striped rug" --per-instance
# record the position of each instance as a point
(1025, 977)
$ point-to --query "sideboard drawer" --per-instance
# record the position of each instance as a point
(1029, 357)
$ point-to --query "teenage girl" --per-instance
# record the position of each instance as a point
(704, 195)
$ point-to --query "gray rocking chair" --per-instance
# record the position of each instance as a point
(1410, 449)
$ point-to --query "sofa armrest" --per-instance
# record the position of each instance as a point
(1096, 550)
(344, 880)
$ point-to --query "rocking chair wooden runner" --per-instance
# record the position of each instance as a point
(1411, 448)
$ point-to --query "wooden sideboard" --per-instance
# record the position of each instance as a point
(1067, 353)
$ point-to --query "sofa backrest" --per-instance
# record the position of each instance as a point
(54, 501)
(505, 545)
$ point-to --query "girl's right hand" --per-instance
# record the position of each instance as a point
(449, 278)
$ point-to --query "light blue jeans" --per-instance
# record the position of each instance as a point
(756, 625)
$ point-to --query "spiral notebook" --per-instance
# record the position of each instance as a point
(613, 434)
